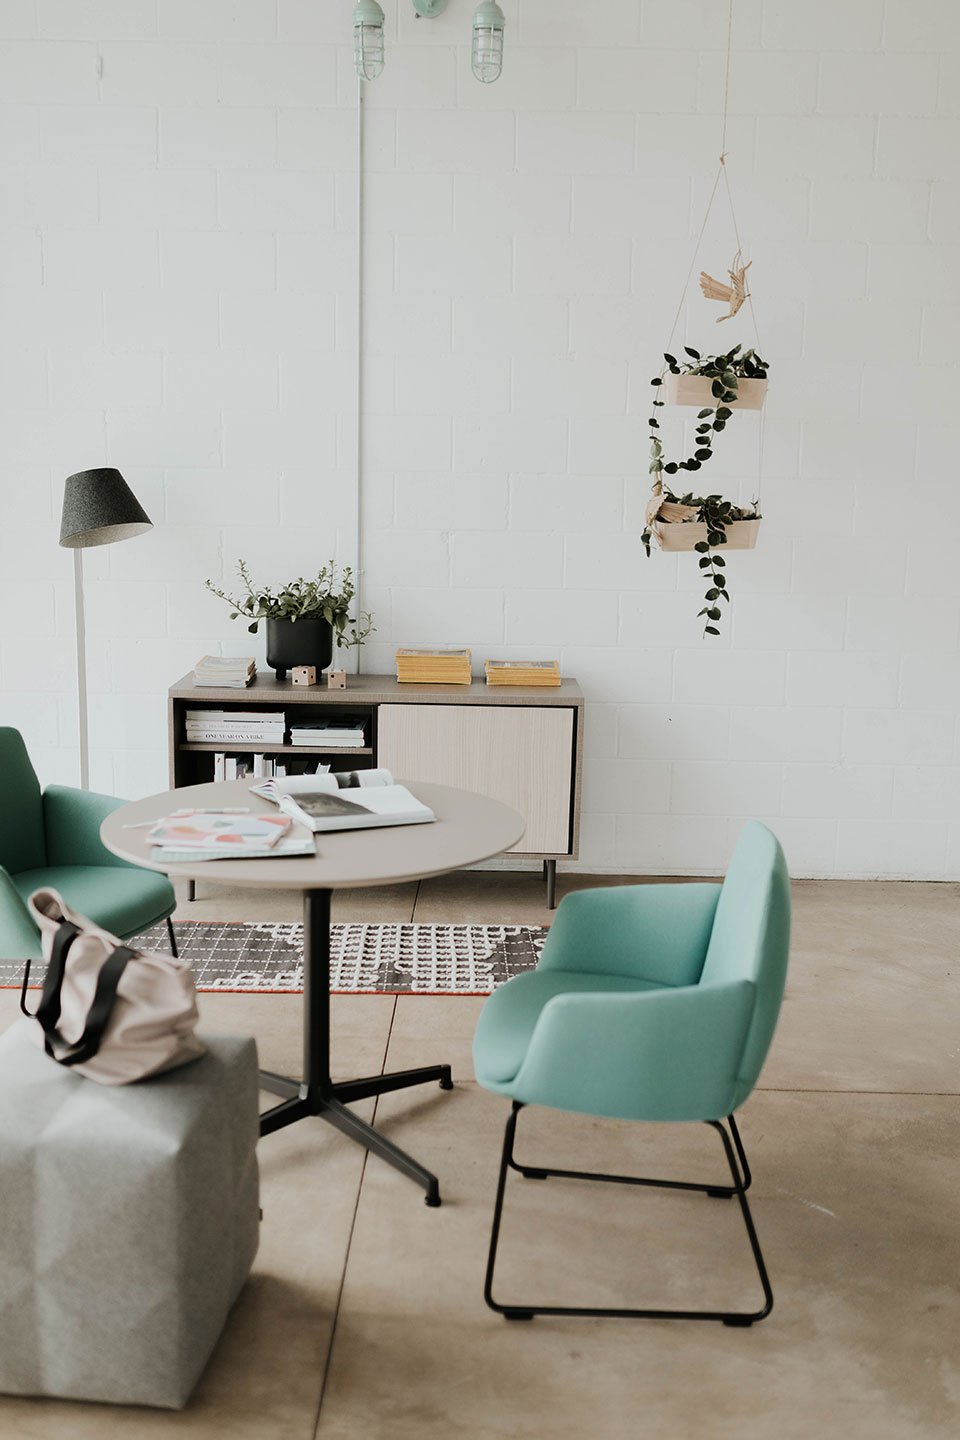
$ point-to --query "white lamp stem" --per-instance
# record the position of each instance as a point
(81, 668)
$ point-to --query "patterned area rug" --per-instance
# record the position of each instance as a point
(365, 959)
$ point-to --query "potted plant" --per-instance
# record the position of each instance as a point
(302, 617)
(699, 380)
(703, 523)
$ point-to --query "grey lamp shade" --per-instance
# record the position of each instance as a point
(98, 508)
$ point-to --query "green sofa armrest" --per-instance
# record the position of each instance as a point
(670, 1054)
(19, 937)
(647, 932)
(72, 820)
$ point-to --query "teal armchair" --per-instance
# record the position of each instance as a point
(652, 1003)
(53, 840)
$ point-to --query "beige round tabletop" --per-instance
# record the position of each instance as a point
(468, 828)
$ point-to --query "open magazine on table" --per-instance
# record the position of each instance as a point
(348, 800)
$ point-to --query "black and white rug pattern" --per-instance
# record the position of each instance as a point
(364, 959)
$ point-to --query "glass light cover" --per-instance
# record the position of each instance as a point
(368, 39)
(487, 55)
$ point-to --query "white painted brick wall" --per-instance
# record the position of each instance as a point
(177, 286)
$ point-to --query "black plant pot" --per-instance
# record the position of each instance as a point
(307, 641)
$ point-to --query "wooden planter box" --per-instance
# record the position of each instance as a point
(697, 390)
(741, 535)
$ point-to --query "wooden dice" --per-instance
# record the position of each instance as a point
(337, 679)
(304, 674)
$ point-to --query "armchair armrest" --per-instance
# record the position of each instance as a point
(19, 937)
(648, 932)
(72, 820)
(669, 1054)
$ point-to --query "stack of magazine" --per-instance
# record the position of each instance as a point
(229, 672)
(243, 728)
(350, 800)
(523, 672)
(192, 835)
(345, 733)
(437, 667)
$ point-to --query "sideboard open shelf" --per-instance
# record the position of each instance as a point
(522, 745)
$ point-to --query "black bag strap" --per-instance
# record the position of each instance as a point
(48, 1011)
(98, 1016)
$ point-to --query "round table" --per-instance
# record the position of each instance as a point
(468, 828)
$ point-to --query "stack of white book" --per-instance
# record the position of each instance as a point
(244, 729)
(230, 672)
(343, 734)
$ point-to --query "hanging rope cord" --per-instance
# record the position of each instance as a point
(722, 172)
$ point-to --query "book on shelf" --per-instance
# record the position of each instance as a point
(320, 801)
(238, 739)
(230, 672)
(236, 717)
(522, 672)
(433, 667)
(243, 727)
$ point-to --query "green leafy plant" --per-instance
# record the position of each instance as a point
(725, 372)
(328, 597)
(716, 513)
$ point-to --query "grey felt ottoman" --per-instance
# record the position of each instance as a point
(129, 1222)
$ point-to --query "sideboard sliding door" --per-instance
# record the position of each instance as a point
(520, 754)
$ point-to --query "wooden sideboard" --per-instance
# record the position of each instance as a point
(522, 745)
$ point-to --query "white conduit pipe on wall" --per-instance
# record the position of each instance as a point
(358, 498)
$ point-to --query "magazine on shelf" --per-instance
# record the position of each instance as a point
(325, 742)
(346, 733)
(351, 800)
(231, 672)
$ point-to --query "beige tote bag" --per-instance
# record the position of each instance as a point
(114, 1014)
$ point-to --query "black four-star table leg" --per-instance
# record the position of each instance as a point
(317, 1093)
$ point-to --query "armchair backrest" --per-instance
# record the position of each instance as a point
(750, 939)
(22, 844)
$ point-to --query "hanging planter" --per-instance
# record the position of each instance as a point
(689, 387)
(737, 380)
(739, 534)
(703, 523)
(716, 385)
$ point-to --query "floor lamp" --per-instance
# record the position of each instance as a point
(98, 508)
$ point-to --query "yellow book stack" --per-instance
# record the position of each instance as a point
(523, 672)
(433, 667)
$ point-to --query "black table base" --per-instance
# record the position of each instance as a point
(316, 1093)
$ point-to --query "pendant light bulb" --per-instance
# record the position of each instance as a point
(487, 55)
(368, 20)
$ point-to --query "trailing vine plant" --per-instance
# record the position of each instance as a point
(725, 372)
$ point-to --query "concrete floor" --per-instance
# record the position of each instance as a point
(364, 1318)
